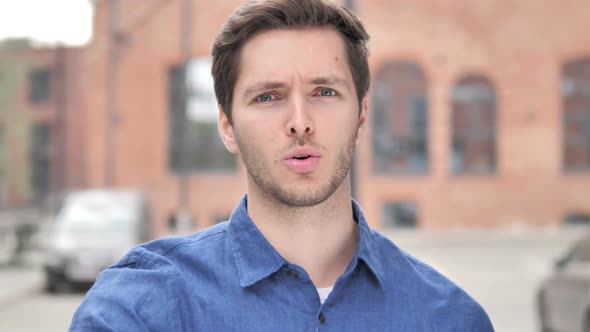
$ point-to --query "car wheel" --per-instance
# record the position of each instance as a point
(50, 286)
(50, 282)
(54, 283)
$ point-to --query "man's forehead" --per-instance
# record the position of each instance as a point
(312, 54)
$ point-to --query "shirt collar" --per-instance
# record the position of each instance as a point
(368, 250)
(256, 258)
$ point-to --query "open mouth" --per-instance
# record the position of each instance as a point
(302, 162)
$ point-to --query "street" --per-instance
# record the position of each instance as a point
(39, 312)
(500, 269)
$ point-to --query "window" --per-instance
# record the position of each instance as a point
(575, 94)
(40, 85)
(194, 143)
(40, 160)
(176, 117)
(400, 119)
(399, 215)
(473, 142)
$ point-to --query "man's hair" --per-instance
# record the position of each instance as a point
(258, 16)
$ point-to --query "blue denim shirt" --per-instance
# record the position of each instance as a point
(229, 278)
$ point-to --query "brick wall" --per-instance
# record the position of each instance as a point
(518, 46)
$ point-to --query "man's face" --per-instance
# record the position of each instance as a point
(295, 115)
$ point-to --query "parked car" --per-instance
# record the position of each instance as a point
(92, 230)
(564, 297)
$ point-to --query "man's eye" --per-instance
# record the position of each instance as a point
(327, 92)
(265, 98)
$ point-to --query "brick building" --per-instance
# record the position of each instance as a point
(479, 111)
(42, 113)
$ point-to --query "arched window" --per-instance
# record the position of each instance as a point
(400, 119)
(473, 143)
(575, 98)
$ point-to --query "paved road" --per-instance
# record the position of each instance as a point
(39, 312)
(501, 270)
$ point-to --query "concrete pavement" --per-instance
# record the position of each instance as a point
(18, 282)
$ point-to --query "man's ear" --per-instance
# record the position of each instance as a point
(226, 132)
(363, 118)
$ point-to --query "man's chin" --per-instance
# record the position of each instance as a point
(302, 197)
(301, 201)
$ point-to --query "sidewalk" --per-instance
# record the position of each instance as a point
(509, 235)
(18, 281)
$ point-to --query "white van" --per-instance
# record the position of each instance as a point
(93, 229)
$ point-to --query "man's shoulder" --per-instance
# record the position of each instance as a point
(169, 250)
(412, 278)
(145, 286)
(405, 266)
(402, 267)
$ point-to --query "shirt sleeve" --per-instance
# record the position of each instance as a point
(135, 294)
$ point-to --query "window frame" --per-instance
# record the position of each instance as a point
(490, 138)
(388, 145)
(181, 125)
(40, 82)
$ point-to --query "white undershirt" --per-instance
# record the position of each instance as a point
(323, 293)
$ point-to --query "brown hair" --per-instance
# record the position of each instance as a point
(258, 16)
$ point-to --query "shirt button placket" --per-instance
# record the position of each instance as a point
(321, 319)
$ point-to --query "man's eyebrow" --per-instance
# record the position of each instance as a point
(269, 85)
(329, 80)
(261, 86)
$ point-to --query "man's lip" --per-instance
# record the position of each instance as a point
(303, 166)
(302, 151)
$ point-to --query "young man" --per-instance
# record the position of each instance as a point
(291, 78)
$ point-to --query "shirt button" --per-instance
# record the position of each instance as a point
(293, 274)
(322, 318)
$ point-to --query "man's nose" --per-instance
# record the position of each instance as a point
(300, 122)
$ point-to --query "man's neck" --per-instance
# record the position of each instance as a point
(321, 238)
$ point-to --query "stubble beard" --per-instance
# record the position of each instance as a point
(257, 170)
